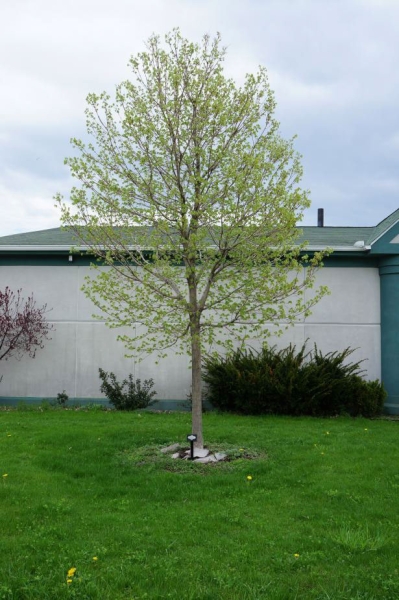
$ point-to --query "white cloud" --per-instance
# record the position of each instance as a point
(392, 143)
(27, 203)
(383, 184)
(35, 103)
(333, 66)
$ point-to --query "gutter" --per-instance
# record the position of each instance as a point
(31, 248)
(338, 248)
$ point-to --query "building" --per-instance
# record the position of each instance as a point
(362, 312)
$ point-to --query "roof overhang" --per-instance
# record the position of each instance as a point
(338, 248)
(37, 248)
(68, 249)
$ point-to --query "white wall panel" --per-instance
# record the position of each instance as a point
(55, 286)
(97, 346)
(366, 339)
(172, 376)
(50, 372)
(355, 296)
(350, 316)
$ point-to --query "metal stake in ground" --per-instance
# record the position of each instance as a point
(192, 438)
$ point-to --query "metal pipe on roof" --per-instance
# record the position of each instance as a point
(320, 217)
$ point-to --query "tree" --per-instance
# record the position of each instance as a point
(191, 196)
(23, 326)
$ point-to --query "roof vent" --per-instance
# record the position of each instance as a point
(359, 244)
(320, 217)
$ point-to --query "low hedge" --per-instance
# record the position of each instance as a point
(291, 382)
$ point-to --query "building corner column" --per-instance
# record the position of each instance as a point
(389, 294)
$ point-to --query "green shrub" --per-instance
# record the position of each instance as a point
(291, 382)
(326, 384)
(251, 382)
(368, 398)
(128, 395)
(62, 399)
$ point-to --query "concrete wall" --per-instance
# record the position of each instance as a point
(350, 316)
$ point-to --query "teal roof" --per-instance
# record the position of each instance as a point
(45, 237)
(384, 226)
(335, 236)
(317, 237)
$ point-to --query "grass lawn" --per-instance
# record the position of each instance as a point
(318, 520)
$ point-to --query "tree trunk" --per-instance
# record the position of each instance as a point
(196, 409)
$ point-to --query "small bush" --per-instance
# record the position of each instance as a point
(291, 382)
(128, 395)
(62, 399)
(368, 398)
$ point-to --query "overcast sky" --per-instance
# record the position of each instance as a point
(333, 64)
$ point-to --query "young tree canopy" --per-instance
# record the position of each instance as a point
(191, 196)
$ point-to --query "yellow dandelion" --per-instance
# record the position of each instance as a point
(5, 475)
(241, 449)
(249, 477)
(296, 555)
(69, 581)
(72, 572)
(95, 558)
